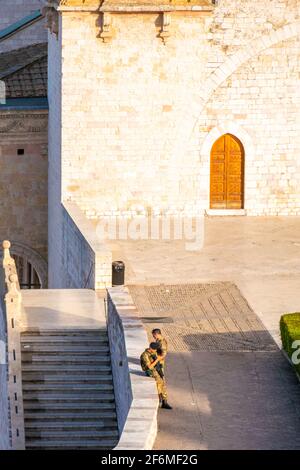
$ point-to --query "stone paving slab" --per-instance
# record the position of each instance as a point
(62, 308)
(235, 248)
(235, 400)
(229, 384)
(205, 317)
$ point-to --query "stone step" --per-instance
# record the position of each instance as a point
(72, 340)
(104, 418)
(68, 408)
(69, 433)
(64, 332)
(58, 415)
(74, 394)
(66, 368)
(71, 425)
(68, 390)
(39, 378)
(42, 348)
(68, 397)
(71, 422)
(65, 359)
(66, 387)
(53, 444)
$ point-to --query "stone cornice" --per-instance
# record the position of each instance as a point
(23, 123)
(108, 8)
(135, 6)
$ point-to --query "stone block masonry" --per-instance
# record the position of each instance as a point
(139, 118)
(85, 262)
(23, 181)
(140, 115)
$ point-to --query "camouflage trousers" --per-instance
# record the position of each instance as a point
(160, 384)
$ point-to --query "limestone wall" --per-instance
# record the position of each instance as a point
(23, 183)
(69, 233)
(85, 262)
(119, 362)
(12, 11)
(78, 258)
(140, 116)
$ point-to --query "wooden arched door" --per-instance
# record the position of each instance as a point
(227, 161)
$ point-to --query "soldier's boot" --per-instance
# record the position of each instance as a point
(166, 405)
(160, 400)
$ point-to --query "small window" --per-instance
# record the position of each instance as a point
(21, 152)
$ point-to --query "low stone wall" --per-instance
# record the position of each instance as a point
(13, 311)
(135, 394)
(87, 263)
(120, 366)
(4, 418)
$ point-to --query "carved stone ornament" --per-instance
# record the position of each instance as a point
(20, 123)
(107, 8)
(51, 14)
(106, 28)
(165, 32)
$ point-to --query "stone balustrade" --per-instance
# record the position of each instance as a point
(4, 415)
(13, 308)
(87, 262)
(135, 394)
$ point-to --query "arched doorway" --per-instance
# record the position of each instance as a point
(31, 266)
(28, 276)
(227, 161)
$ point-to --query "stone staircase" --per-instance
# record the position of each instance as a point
(68, 390)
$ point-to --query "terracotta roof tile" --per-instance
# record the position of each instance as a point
(24, 71)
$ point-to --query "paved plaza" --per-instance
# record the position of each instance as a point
(230, 385)
(228, 381)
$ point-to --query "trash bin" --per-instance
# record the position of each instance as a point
(118, 273)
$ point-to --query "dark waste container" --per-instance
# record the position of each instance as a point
(118, 273)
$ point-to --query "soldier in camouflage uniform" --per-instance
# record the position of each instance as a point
(163, 346)
(149, 362)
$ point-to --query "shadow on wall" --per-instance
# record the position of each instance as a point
(231, 398)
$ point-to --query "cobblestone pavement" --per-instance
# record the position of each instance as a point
(230, 386)
(203, 317)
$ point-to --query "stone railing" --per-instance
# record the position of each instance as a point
(4, 408)
(13, 308)
(135, 394)
(87, 261)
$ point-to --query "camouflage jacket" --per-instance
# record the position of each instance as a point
(146, 360)
(163, 346)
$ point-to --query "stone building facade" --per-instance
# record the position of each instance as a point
(24, 138)
(147, 89)
(23, 186)
(178, 107)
